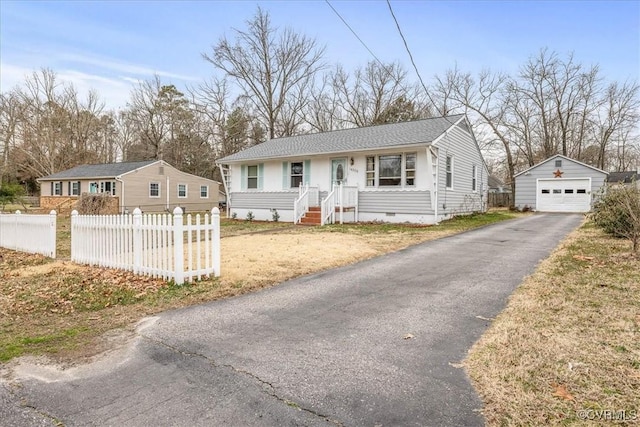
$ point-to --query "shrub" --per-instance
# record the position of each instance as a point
(275, 215)
(250, 216)
(10, 193)
(617, 212)
(93, 204)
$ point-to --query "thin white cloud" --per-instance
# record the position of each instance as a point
(123, 67)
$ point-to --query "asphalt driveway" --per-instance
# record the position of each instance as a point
(376, 343)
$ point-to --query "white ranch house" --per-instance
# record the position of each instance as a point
(421, 171)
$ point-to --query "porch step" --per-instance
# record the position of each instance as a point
(312, 217)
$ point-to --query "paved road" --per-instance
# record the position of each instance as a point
(323, 350)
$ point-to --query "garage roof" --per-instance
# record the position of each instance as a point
(562, 157)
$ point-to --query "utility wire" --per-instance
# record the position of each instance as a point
(384, 67)
(415, 67)
(355, 34)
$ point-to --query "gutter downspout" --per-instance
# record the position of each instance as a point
(122, 205)
(226, 188)
(167, 207)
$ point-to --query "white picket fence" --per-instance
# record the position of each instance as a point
(35, 234)
(158, 245)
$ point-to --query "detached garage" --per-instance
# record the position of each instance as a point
(559, 184)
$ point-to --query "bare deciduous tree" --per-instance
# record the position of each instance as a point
(273, 68)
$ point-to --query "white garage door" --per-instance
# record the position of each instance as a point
(564, 195)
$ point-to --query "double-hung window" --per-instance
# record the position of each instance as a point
(204, 191)
(182, 191)
(449, 172)
(391, 170)
(474, 178)
(74, 188)
(297, 173)
(252, 176)
(154, 189)
(57, 188)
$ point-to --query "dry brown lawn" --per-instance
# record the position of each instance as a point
(566, 350)
(63, 310)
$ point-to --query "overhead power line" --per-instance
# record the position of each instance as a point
(355, 34)
(415, 67)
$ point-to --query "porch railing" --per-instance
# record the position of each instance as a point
(301, 204)
(328, 208)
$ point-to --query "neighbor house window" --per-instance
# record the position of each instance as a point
(449, 172)
(75, 188)
(108, 187)
(371, 171)
(297, 169)
(204, 191)
(558, 163)
(154, 189)
(182, 191)
(252, 176)
(57, 188)
(474, 178)
(391, 170)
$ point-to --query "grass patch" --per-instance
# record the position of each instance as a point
(63, 309)
(568, 341)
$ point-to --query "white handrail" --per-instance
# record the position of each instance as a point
(301, 204)
(328, 208)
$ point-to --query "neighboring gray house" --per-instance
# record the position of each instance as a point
(420, 171)
(152, 185)
(497, 186)
(625, 178)
(558, 184)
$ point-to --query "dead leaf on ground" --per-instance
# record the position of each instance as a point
(583, 258)
(407, 336)
(562, 392)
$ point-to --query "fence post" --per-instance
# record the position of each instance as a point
(52, 233)
(215, 241)
(137, 240)
(74, 235)
(16, 227)
(178, 247)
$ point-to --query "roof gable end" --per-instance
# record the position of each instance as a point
(562, 157)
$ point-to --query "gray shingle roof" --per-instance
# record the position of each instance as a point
(348, 140)
(105, 170)
(623, 177)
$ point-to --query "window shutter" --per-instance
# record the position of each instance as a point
(69, 188)
(260, 175)
(243, 177)
(52, 188)
(285, 175)
(79, 188)
(306, 172)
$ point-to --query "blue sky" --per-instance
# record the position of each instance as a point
(110, 45)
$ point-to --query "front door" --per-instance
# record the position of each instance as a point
(339, 171)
